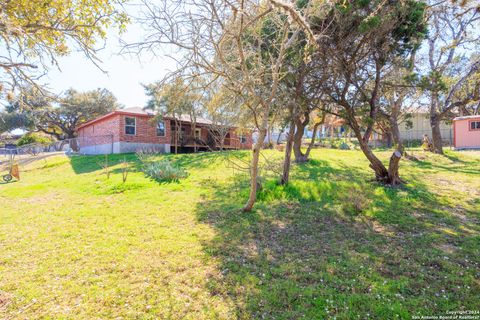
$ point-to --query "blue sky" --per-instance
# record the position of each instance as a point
(125, 73)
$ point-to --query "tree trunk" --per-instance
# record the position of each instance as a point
(312, 142)
(297, 139)
(222, 142)
(394, 165)
(288, 154)
(254, 170)
(176, 136)
(176, 140)
(436, 134)
(381, 173)
(279, 137)
(70, 135)
(395, 131)
(388, 138)
(257, 147)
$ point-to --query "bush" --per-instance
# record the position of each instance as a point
(33, 137)
(343, 146)
(268, 145)
(163, 170)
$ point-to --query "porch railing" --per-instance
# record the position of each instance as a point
(192, 141)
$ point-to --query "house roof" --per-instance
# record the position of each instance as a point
(187, 118)
(466, 117)
(137, 111)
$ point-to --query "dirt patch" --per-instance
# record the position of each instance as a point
(447, 248)
(382, 229)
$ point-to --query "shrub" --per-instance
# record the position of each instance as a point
(163, 170)
(343, 146)
(33, 137)
(124, 169)
(268, 145)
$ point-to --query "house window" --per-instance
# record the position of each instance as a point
(161, 129)
(198, 133)
(130, 125)
(474, 125)
(243, 138)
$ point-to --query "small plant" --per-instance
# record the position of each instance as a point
(163, 170)
(104, 165)
(355, 201)
(147, 154)
(343, 146)
(124, 170)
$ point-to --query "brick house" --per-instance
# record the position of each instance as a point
(133, 129)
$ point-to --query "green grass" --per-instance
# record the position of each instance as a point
(74, 245)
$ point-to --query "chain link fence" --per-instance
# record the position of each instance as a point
(76, 145)
(411, 139)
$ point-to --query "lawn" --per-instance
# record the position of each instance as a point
(74, 245)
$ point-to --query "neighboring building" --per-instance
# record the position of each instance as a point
(466, 132)
(133, 129)
(420, 126)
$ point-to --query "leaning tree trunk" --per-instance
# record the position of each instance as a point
(381, 173)
(288, 154)
(297, 139)
(279, 137)
(436, 134)
(312, 142)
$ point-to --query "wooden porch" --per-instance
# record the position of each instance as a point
(202, 138)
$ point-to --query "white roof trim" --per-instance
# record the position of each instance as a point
(466, 117)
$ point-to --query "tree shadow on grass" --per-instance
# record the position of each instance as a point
(87, 164)
(457, 164)
(430, 165)
(203, 160)
(301, 253)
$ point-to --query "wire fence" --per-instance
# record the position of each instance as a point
(34, 148)
(411, 139)
(105, 143)
(94, 145)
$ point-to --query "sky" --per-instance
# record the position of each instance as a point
(125, 73)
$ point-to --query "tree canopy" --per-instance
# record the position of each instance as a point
(34, 33)
(62, 116)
